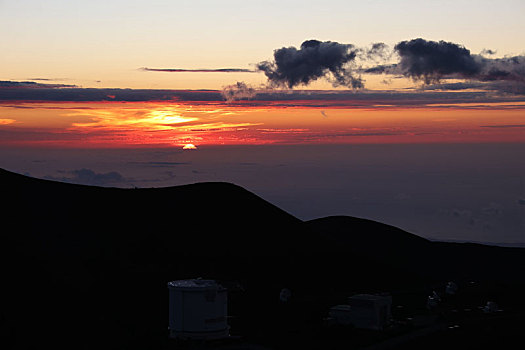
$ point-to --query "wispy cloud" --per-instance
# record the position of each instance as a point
(202, 70)
(503, 126)
(31, 84)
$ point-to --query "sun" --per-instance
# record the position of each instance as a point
(189, 146)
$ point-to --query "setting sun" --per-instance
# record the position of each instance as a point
(189, 146)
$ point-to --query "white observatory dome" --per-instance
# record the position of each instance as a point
(197, 309)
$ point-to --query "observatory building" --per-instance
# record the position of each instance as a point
(197, 309)
(366, 311)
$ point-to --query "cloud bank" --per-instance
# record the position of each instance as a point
(421, 60)
(245, 95)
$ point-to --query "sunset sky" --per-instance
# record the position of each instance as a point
(103, 43)
(241, 79)
(70, 46)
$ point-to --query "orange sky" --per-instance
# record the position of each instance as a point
(161, 124)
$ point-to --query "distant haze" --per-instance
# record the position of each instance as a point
(472, 192)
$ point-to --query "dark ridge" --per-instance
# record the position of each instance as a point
(363, 231)
(409, 253)
(373, 242)
(87, 266)
(179, 219)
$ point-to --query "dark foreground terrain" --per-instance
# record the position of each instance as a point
(87, 267)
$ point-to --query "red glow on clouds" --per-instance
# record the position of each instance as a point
(161, 124)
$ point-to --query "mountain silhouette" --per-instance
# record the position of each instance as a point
(87, 266)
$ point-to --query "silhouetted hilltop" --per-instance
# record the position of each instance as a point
(398, 249)
(382, 236)
(87, 266)
(211, 218)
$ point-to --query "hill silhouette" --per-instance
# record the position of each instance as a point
(432, 260)
(88, 266)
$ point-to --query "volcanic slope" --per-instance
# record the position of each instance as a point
(88, 266)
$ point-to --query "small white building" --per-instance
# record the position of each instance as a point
(364, 311)
(197, 309)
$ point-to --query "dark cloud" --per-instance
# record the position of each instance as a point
(89, 177)
(315, 59)
(432, 61)
(213, 70)
(521, 201)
